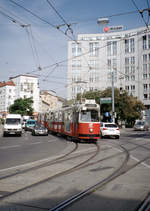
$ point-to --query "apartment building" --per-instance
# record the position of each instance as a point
(49, 101)
(27, 86)
(95, 57)
(7, 96)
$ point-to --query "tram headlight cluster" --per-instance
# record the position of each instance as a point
(91, 130)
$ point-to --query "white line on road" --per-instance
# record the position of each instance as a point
(134, 158)
(39, 161)
(36, 143)
(9, 147)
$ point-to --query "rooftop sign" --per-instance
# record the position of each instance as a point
(113, 28)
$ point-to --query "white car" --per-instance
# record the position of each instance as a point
(108, 129)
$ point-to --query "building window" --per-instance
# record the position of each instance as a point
(93, 64)
(145, 58)
(109, 64)
(144, 76)
(144, 68)
(133, 87)
(145, 96)
(76, 63)
(132, 60)
(146, 42)
(127, 88)
(132, 77)
(129, 46)
(76, 76)
(76, 49)
(112, 48)
(127, 78)
(94, 48)
(145, 87)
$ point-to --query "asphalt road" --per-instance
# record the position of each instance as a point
(16, 151)
(125, 193)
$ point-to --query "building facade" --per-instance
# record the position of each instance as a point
(49, 101)
(27, 87)
(95, 57)
(7, 96)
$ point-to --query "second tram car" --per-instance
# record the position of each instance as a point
(80, 121)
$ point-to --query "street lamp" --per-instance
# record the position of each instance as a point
(113, 99)
(102, 21)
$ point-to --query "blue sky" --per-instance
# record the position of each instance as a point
(49, 45)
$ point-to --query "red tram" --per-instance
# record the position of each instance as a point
(80, 121)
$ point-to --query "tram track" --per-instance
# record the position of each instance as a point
(61, 158)
(64, 172)
(47, 163)
(122, 169)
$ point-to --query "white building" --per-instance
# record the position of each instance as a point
(7, 96)
(27, 87)
(96, 56)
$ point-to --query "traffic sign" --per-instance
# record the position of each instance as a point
(105, 100)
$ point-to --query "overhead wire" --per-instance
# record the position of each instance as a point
(140, 12)
(61, 17)
(11, 18)
(33, 47)
(121, 73)
(42, 19)
(148, 11)
(61, 61)
(29, 11)
(55, 27)
(68, 26)
(38, 17)
(141, 32)
(29, 35)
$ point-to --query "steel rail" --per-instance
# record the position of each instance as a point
(40, 165)
(54, 176)
(93, 188)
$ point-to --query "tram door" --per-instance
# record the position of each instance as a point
(75, 122)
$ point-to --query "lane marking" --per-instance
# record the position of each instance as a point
(38, 161)
(134, 158)
(35, 143)
(9, 147)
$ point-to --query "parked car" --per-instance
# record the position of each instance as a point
(29, 125)
(39, 130)
(108, 129)
(141, 125)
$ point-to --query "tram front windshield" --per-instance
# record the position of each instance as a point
(89, 116)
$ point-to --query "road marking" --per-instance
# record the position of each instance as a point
(9, 147)
(134, 158)
(38, 161)
(36, 143)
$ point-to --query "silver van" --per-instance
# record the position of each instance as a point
(141, 125)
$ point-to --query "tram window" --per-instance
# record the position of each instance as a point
(94, 116)
(89, 116)
(85, 116)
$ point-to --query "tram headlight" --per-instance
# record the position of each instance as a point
(91, 130)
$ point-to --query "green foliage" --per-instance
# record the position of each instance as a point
(22, 106)
(127, 108)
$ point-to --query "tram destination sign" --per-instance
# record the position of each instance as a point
(105, 100)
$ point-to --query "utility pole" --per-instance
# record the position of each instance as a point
(113, 99)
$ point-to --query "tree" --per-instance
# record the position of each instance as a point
(22, 106)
